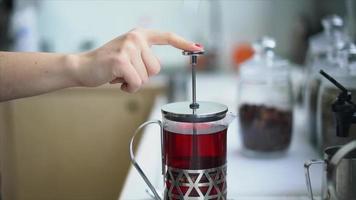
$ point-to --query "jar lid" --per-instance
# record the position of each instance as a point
(349, 51)
(264, 45)
(332, 22)
(181, 111)
(265, 55)
(344, 61)
(265, 64)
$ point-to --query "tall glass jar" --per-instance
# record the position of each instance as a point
(265, 102)
(320, 55)
(344, 71)
(322, 43)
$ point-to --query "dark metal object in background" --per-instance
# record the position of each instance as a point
(344, 109)
(6, 8)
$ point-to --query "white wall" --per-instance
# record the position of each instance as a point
(65, 24)
(247, 20)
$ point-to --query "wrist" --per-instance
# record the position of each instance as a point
(74, 63)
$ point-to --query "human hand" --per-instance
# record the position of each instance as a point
(127, 59)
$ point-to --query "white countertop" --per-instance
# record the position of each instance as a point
(247, 178)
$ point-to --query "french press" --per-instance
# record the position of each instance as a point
(193, 146)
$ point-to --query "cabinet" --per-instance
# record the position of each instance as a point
(71, 144)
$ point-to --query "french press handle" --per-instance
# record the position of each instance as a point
(137, 166)
(334, 162)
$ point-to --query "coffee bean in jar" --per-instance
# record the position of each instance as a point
(265, 129)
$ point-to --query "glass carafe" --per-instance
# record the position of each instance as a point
(193, 145)
(265, 102)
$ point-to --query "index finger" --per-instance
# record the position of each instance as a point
(168, 38)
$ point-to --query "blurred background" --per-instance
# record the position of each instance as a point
(73, 144)
(72, 26)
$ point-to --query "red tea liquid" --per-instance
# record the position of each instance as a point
(198, 148)
(206, 149)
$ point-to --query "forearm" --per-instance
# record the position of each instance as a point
(127, 59)
(29, 74)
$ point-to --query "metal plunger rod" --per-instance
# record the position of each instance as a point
(194, 63)
(194, 59)
(194, 105)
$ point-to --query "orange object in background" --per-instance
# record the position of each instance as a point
(241, 53)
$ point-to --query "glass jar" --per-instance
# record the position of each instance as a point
(321, 55)
(322, 43)
(265, 102)
(344, 71)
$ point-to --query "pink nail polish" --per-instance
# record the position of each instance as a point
(199, 45)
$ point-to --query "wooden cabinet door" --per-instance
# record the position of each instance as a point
(71, 144)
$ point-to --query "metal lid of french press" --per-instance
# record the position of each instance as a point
(207, 111)
(194, 111)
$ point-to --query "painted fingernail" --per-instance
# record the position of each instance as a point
(199, 45)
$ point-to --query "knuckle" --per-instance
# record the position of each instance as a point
(144, 80)
(116, 63)
(137, 29)
(130, 90)
(134, 36)
(130, 47)
(118, 60)
(170, 36)
(154, 70)
(136, 83)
